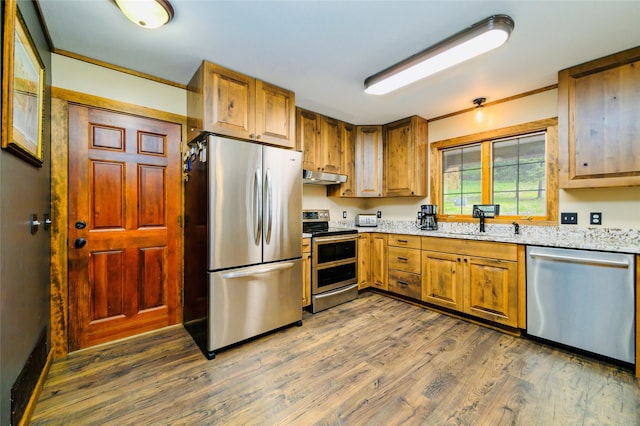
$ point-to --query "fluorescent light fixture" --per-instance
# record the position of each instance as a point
(475, 40)
(146, 13)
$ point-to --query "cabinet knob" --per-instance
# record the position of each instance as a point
(252, 135)
(258, 137)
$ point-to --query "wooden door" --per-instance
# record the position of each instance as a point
(330, 145)
(369, 161)
(124, 203)
(379, 261)
(275, 115)
(308, 137)
(492, 290)
(442, 280)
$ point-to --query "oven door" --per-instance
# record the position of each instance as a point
(334, 262)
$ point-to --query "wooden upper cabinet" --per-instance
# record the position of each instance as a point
(308, 137)
(348, 163)
(223, 101)
(275, 115)
(405, 158)
(599, 122)
(369, 161)
(319, 138)
(330, 145)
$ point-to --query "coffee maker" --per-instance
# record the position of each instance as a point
(427, 217)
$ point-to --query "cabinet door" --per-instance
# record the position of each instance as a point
(330, 145)
(308, 137)
(379, 261)
(348, 142)
(364, 260)
(275, 115)
(442, 279)
(492, 290)
(405, 158)
(306, 272)
(229, 99)
(599, 122)
(369, 161)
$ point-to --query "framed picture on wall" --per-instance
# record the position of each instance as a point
(22, 89)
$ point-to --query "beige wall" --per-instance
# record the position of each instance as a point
(619, 206)
(83, 77)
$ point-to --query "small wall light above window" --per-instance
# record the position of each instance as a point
(146, 13)
(479, 112)
(475, 40)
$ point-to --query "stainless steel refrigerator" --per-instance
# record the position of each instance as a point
(243, 259)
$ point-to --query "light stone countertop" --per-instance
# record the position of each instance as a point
(565, 236)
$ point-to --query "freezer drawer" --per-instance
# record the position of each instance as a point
(246, 302)
(583, 299)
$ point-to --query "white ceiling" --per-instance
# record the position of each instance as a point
(324, 50)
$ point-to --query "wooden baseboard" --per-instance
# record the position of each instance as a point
(28, 412)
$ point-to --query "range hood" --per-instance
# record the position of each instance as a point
(309, 177)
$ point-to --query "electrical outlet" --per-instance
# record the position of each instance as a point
(569, 218)
(595, 218)
(379, 214)
(344, 214)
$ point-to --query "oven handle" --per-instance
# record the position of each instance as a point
(335, 238)
(334, 292)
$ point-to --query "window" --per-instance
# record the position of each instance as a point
(515, 167)
(519, 175)
(462, 179)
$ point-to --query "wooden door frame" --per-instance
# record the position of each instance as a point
(59, 302)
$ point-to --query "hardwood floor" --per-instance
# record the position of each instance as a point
(373, 361)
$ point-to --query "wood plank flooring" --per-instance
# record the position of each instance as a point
(372, 361)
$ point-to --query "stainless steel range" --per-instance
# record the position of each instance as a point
(334, 261)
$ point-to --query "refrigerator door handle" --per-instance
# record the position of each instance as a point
(269, 206)
(259, 270)
(257, 206)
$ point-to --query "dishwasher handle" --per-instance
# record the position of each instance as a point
(606, 262)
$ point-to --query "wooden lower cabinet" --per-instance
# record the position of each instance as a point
(379, 261)
(306, 272)
(491, 290)
(364, 260)
(405, 283)
(403, 256)
(442, 280)
(464, 280)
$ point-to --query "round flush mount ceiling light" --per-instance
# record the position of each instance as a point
(149, 14)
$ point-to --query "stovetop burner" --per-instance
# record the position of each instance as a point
(316, 223)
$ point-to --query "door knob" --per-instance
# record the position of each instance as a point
(80, 242)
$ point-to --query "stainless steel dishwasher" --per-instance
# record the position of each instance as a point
(584, 299)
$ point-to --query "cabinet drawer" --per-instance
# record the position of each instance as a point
(404, 259)
(400, 240)
(405, 283)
